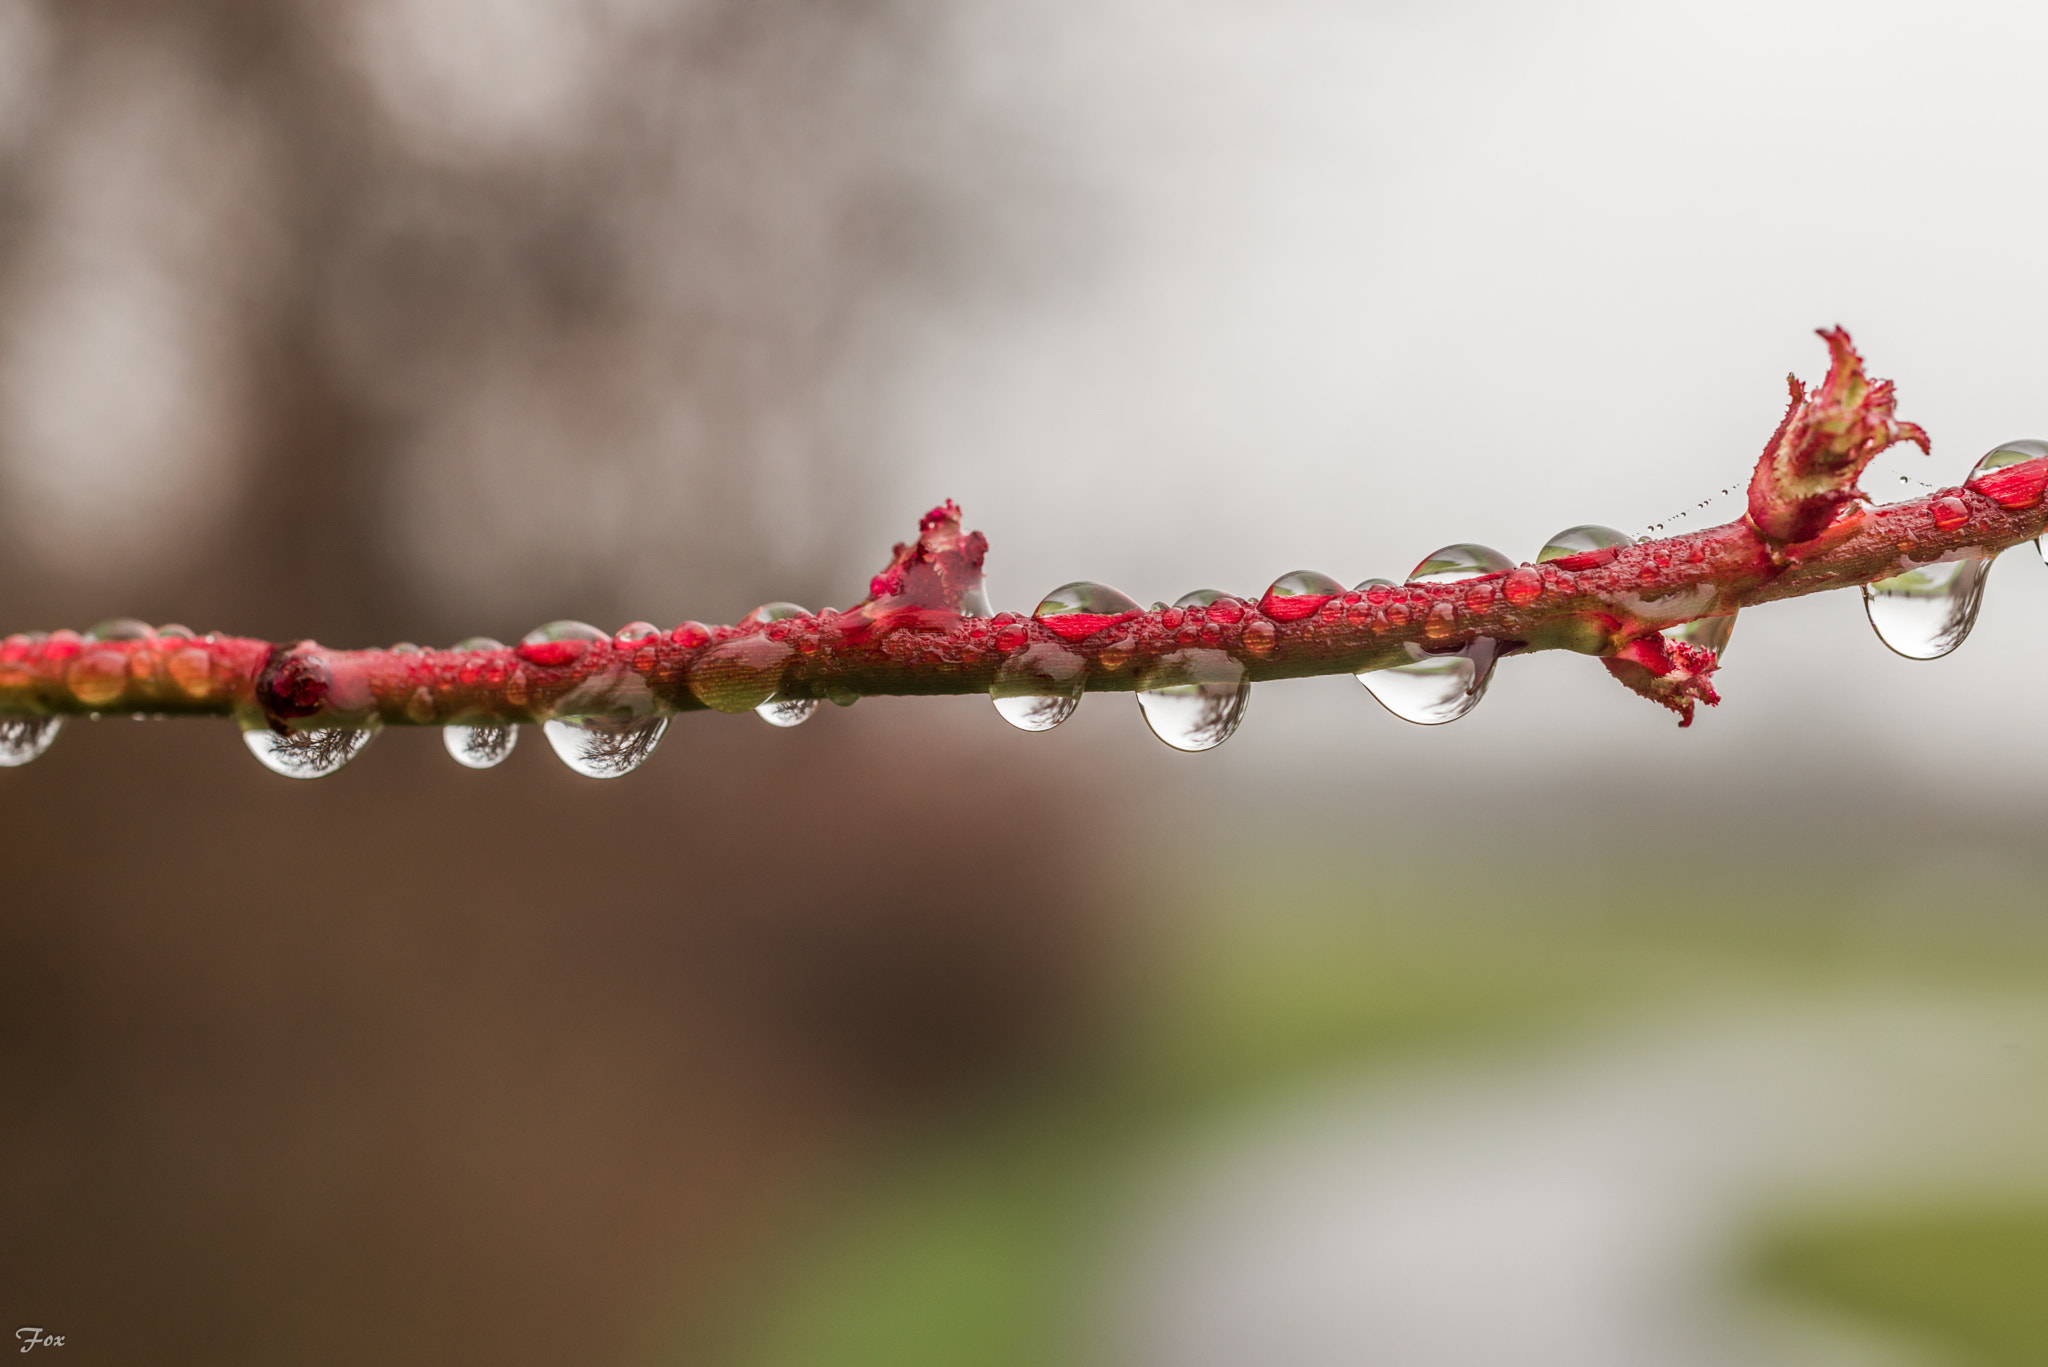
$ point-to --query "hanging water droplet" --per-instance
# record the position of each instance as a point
(601, 747)
(608, 724)
(311, 753)
(1298, 594)
(1433, 689)
(25, 738)
(1926, 612)
(1712, 633)
(786, 711)
(1460, 560)
(479, 747)
(1195, 699)
(1038, 688)
(1590, 536)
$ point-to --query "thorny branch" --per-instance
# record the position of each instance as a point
(923, 627)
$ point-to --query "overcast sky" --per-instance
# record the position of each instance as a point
(1352, 281)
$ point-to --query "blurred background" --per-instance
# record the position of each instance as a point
(1554, 1036)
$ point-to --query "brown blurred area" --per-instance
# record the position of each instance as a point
(419, 318)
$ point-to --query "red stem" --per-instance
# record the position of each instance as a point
(910, 637)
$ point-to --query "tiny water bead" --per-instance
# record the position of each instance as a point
(23, 739)
(1298, 594)
(480, 747)
(1928, 611)
(306, 753)
(1949, 513)
(786, 711)
(1195, 699)
(1587, 536)
(1038, 688)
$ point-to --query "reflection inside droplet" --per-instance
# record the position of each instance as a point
(1196, 699)
(1927, 612)
(310, 753)
(23, 739)
(479, 747)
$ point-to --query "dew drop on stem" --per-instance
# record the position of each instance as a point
(1588, 536)
(1437, 687)
(1298, 594)
(2013, 453)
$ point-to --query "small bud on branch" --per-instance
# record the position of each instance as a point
(925, 627)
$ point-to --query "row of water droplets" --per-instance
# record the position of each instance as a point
(1928, 610)
(605, 727)
(1197, 698)
(25, 738)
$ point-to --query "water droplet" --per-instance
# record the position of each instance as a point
(1710, 632)
(2009, 453)
(191, 669)
(1200, 598)
(407, 648)
(773, 612)
(1523, 586)
(739, 675)
(1078, 610)
(1195, 699)
(974, 602)
(1259, 638)
(598, 747)
(1433, 689)
(607, 725)
(479, 747)
(24, 738)
(1038, 688)
(1460, 560)
(311, 753)
(1590, 536)
(1926, 612)
(1949, 513)
(419, 708)
(121, 629)
(97, 677)
(786, 711)
(172, 631)
(636, 631)
(558, 643)
(1298, 594)
(2012, 453)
